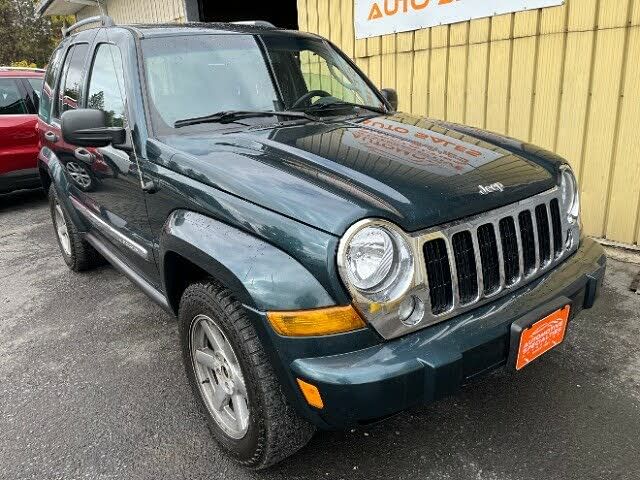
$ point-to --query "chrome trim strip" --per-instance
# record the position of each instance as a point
(552, 243)
(503, 275)
(454, 274)
(516, 223)
(108, 230)
(534, 222)
(478, 259)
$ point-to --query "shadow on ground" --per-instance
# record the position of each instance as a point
(21, 199)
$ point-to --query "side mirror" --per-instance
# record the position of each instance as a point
(391, 96)
(86, 127)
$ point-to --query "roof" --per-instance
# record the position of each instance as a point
(170, 29)
(21, 72)
(144, 30)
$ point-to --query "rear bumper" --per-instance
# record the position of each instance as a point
(378, 381)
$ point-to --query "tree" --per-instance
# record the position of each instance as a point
(26, 37)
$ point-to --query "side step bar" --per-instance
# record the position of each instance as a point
(127, 271)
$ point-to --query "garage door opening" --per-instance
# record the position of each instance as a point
(283, 14)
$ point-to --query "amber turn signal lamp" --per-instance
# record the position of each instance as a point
(322, 321)
(311, 394)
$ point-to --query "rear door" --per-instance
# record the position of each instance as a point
(67, 98)
(18, 139)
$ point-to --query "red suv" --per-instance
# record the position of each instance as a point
(19, 99)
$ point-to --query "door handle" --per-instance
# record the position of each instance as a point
(83, 154)
(51, 137)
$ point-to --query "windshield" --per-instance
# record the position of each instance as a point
(200, 75)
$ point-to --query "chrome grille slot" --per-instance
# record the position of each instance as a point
(556, 226)
(544, 242)
(510, 252)
(439, 275)
(489, 258)
(527, 235)
(466, 272)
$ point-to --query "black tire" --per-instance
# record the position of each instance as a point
(275, 429)
(81, 256)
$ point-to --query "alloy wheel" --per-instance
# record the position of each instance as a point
(79, 174)
(61, 228)
(219, 377)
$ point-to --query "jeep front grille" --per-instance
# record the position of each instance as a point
(478, 258)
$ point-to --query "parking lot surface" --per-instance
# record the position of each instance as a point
(92, 386)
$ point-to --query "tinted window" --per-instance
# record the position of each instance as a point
(49, 85)
(70, 87)
(320, 67)
(12, 101)
(106, 86)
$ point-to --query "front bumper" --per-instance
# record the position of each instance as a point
(378, 381)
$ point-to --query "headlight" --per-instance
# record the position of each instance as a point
(569, 194)
(376, 260)
(370, 258)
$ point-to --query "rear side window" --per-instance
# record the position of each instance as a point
(36, 85)
(106, 85)
(69, 94)
(46, 96)
(12, 100)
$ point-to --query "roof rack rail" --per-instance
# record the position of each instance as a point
(104, 20)
(255, 23)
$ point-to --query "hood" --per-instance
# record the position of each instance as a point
(410, 170)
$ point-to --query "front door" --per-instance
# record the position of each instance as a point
(105, 182)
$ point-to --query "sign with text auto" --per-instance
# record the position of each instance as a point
(381, 17)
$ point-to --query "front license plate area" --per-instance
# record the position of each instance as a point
(537, 333)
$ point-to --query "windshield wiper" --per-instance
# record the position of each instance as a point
(230, 116)
(341, 105)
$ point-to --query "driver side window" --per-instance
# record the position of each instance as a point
(106, 85)
(318, 74)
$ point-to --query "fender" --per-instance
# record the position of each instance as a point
(260, 275)
(48, 161)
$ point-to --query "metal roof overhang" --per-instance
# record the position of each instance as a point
(62, 7)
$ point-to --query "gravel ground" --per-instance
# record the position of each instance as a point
(92, 386)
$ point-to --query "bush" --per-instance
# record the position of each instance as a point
(24, 64)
